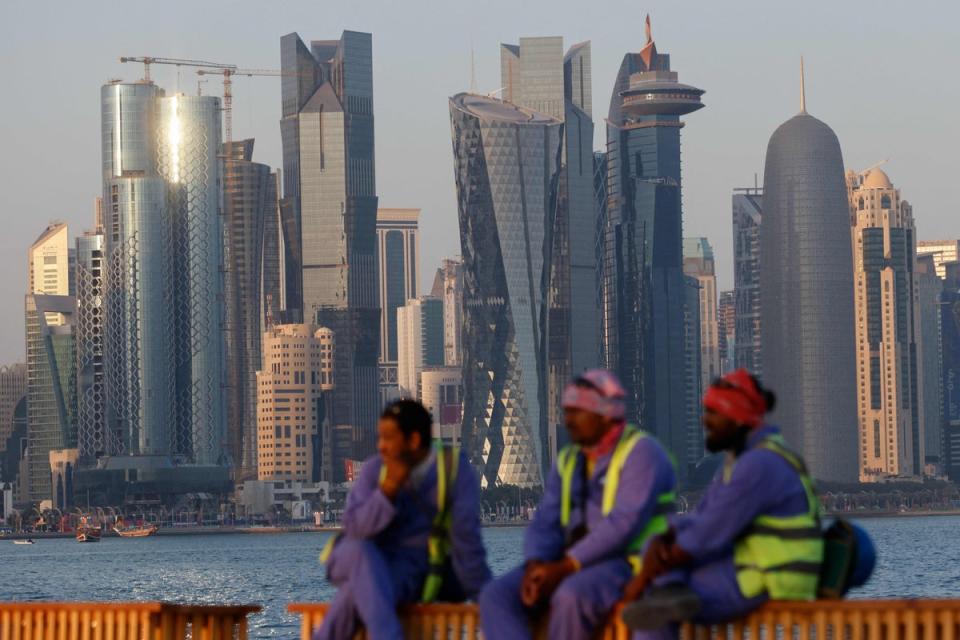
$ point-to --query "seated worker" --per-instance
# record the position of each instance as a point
(755, 534)
(411, 530)
(608, 493)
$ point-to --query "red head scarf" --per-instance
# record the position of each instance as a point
(737, 397)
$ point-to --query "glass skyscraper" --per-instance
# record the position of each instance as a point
(806, 297)
(507, 169)
(537, 75)
(93, 438)
(644, 288)
(398, 246)
(251, 289)
(329, 215)
(747, 216)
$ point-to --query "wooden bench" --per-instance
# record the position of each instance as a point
(819, 620)
(122, 621)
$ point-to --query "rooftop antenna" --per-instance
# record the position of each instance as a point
(473, 72)
(803, 93)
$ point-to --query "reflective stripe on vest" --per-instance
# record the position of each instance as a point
(666, 502)
(438, 542)
(781, 555)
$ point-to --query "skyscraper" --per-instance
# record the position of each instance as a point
(507, 165)
(398, 250)
(49, 265)
(293, 387)
(448, 286)
(887, 329)
(806, 293)
(726, 327)
(330, 212)
(950, 341)
(537, 75)
(51, 385)
(93, 437)
(693, 368)
(13, 387)
(644, 288)
(747, 216)
(251, 289)
(698, 264)
(930, 359)
(419, 342)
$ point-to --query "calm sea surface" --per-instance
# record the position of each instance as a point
(918, 556)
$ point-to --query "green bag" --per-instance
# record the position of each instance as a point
(839, 560)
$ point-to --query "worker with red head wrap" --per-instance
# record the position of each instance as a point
(754, 536)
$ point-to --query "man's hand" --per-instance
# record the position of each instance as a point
(542, 579)
(398, 470)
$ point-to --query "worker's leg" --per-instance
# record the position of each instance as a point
(720, 599)
(371, 586)
(584, 601)
(502, 615)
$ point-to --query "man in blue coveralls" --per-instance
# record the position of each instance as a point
(411, 530)
(754, 536)
(608, 493)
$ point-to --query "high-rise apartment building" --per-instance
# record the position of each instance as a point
(693, 384)
(51, 385)
(943, 252)
(507, 165)
(293, 404)
(698, 263)
(49, 265)
(950, 369)
(747, 216)
(806, 296)
(930, 363)
(419, 342)
(13, 390)
(329, 214)
(252, 289)
(537, 75)
(644, 287)
(727, 330)
(93, 437)
(887, 329)
(448, 286)
(398, 251)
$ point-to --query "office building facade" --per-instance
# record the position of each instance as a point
(747, 217)
(930, 358)
(94, 439)
(943, 252)
(441, 392)
(500, 152)
(887, 329)
(644, 287)
(398, 255)
(448, 286)
(698, 263)
(329, 214)
(293, 404)
(727, 330)
(13, 387)
(806, 297)
(419, 342)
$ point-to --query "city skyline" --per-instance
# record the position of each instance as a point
(726, 152)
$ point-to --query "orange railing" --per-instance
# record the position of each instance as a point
(838, 619)
(121, 621)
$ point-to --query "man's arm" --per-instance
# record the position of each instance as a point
(646, 473)
(369, 511)
(468, 554)
(544, 537)
(733, 505)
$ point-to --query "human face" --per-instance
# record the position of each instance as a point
(585, 428)
(722, 432)
(393, 445)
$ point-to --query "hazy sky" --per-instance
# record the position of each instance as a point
(882, 75)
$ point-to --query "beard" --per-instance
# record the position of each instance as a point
(734, 440)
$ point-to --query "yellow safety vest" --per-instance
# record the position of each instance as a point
(438, 543)
(666, 502)
(781, 555)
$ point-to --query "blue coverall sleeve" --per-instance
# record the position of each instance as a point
(368, 511)
(544, 537)
(468, 554)
(646, 473)
(733, 505)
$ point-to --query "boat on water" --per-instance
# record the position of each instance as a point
(139, 531)
(27, 541)
(88, 534)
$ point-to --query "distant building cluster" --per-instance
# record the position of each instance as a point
(228, 331)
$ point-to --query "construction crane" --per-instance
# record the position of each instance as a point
(149, 60)
(228, 73)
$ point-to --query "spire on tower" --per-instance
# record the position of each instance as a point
(473, 72)
(649, 51)
(803, 93)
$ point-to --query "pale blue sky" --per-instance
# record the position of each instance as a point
(882, 74)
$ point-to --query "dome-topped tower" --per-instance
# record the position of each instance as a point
(806, 295)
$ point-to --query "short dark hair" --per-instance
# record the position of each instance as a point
(411, 417)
